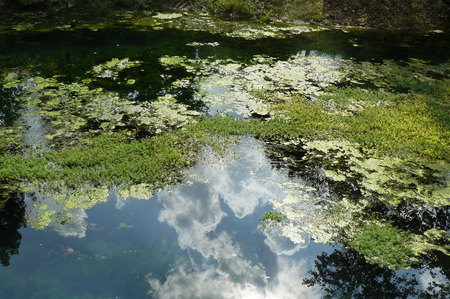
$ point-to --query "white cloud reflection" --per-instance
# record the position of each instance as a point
(281, 244)
(195, 213)
(249, 283)
(77, 226)
(243, 183)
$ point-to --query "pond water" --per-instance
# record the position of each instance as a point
(200, 237)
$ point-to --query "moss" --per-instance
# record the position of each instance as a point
(271, 218)
(383, 245)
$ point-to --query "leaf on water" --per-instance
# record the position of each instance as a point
(13, 84)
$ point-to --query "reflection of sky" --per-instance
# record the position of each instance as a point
(247, 282)
(195, 212)
(67, 222)
(281, 244)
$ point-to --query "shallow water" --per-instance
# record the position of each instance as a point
(200, 238)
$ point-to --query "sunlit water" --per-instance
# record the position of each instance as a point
(201, 238)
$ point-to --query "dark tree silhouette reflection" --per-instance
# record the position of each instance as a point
(345, 274)
(12, 218)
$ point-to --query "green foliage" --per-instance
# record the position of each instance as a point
(9, 139)
(311, 119)
(99, 4)
(414, 123)
(385, 134)
(112, 160)
(271, 218)
(388, 13)
(306, 10)
(383, 245)
(266, 9)
(416, 4)
(401, 130)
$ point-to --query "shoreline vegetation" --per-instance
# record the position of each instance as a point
(366, 14)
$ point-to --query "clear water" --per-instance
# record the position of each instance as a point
(200, 238)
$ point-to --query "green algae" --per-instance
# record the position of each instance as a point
(232, 28)
(346, 221)
(43, 220)
(70, 109)
(383, 245)
(389, 142)
(111, 69)
(385, 133)
(394, 179)
(91, 147)
(236, 86)
(23, 26)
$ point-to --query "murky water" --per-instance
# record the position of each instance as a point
(201, 238)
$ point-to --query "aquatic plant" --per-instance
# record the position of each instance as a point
(111, 69)
(388, 143)
(383, 245)
(233, 28)
(271, 218)
(375, 136)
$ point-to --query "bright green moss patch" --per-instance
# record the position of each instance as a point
(383, 245)
(113, 160)
(311, 120)
(402, 129)
(380, 141)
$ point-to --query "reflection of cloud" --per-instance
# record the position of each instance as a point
(433, 277)
(250, 283)
(195, 210)
(287, 284)
(120, 203)
(195, 213)
(245, 183)
(77, 227)
(281, 244)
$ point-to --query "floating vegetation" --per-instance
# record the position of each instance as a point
(167, 16)
(232, 28)
(394, 180)
(23, 26)
(236, 87)
(74, 110)
(149, 21)
(370, 148)
(111, 69)
(372, 137)
(91, 145)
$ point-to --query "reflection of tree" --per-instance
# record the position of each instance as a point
(12, 218)
(343, 274)
(392, 211)
(422, 218)
(8, 113)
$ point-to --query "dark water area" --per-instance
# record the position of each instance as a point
(201, 238)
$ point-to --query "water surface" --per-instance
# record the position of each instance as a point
(200, 238)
